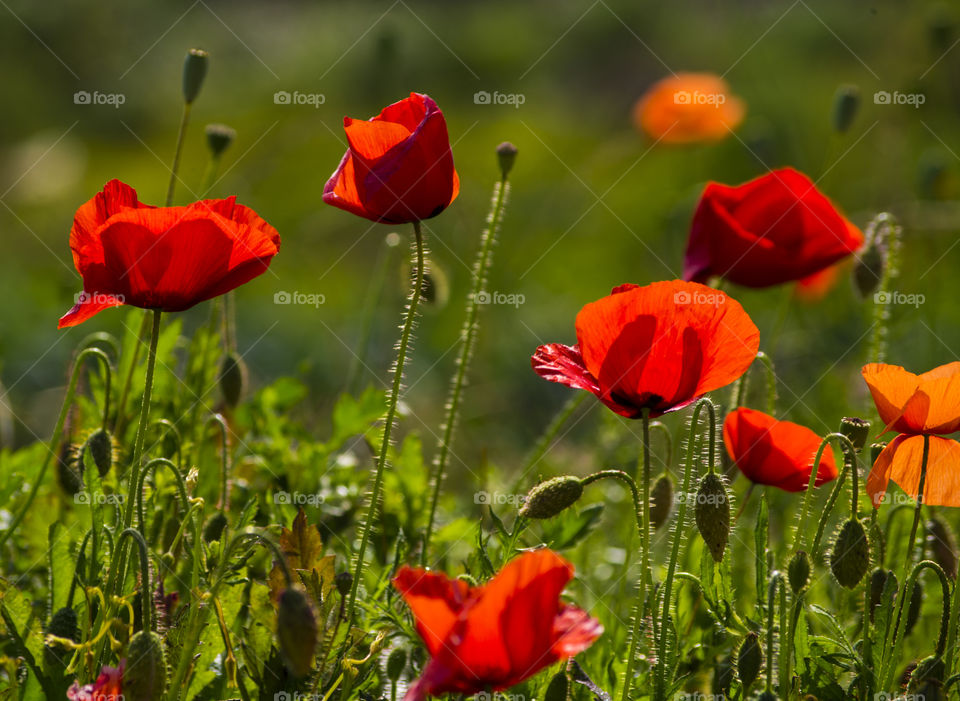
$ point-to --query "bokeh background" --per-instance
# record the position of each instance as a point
(593, 202)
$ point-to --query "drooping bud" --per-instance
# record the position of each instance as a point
(100, 445)
(749, 660)
(926, 681)
(214, 527)
(661, 501)
(63, 624)
(913, 611)
(850, 557)
(767, 696)
(396, 663)
(846, 101)
(549, 498)
(942, 546)
(343, 582)
(506, 155)
(857, 430)
(219, 138)
(713, 514)
(868, 271)
(233, 374)
(878, 582)
(798, 571)
(558, 688)
(194, 71)
(69, 474)
(296, 631)
(145, 676)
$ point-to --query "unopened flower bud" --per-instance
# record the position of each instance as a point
(63, 624)
(856, 430)
(507, 155)
(713, 514)
(343, 581)
(436, 289)
(868, 271)
(213, 530)
(549, 498)
(913, 610)
(233, 373)
(661, 501)
(100, 445)
(942, 546)
(145, 676)
(798, 571)
(557, 690)
(749, 660)
(69, 474)
(926, 681)
(846, 101)
(194, 71)
(850, 557)
(875, 450)
(219, 138)
(296, 632)
(878, 583)
(396, 663)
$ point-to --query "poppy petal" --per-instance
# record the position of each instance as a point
(891, 387)
(574, 630)
(901, 462)
(435, 600)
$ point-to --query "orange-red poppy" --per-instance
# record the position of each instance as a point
(107, 687)
(167, 258)
(398, 167)
(775, 453)
(494, 636)
(773, 229)
(658, 347)
(688, 107)
(919, 407)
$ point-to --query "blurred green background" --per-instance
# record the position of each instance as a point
(592, 204)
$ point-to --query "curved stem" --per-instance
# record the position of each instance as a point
(405, 336)
(146, 593)
(55, 439)
(224, 502)
(151, 467)
(469, 335)
(659, 426)
(169, 427)
(849, 450)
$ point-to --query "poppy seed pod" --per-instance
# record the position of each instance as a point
(798, 571)
(233, 378)
(396, 663)
(507, 156)
(942, 546)
(296, 631)
(661, 501)
(219, 138)
(850, 557)
(749, 659)
(856, 430)
(846, 102)
(145, 676)
(713, 514)
(549, 498)
(194, 71)
(875, 450)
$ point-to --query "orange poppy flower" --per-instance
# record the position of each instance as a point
(494, 636)
(688, 107)
(776, 453)
(917, 406)
(658, 347)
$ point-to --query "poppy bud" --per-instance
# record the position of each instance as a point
(506, 155)
(63, 624)
(145, 676)
(396, 663)
(943, 546)
(868, 271)
(296, 631)
(549, 498)
(749, 660)
(913, 611)
(878, 582)
(343, 582)
(850, 557)
(661, 499)
(219, 138)
(214, 528)
(194, 71)
(875, 450)
(436, 289)
(69, 473)
(798, 571)
(846, 101)
(558, 688)
(926, 681)
(713, 514)
(168, 562)
(233, 373)
(857, 430)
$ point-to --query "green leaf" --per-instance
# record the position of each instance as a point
(61, 566)
(574, 526)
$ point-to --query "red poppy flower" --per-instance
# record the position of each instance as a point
(917, 406)
(399, 167)
(167, 258)
(688, 107)
(773, 229)
(496, 635)
(108, 687)
(776, 453)
(658, 347)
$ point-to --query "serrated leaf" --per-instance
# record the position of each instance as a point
(302, 547)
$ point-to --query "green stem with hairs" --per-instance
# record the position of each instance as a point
(850, 454)
(181, 133)
(390, 417)
(468, 335)
(146, 592)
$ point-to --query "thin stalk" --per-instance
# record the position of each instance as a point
(405, 337)
(121, 423)
(146, 592)
(850, 453)
(184, 119)
(549, 434)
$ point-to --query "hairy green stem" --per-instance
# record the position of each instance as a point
(181, 133)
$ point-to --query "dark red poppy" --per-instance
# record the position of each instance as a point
(167, 258)
(776, 453)
(773, 229)
(399, 167)
(496, 635)
(658, 347)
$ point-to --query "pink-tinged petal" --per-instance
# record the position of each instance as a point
(575, 631)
